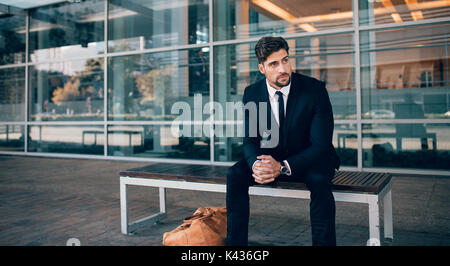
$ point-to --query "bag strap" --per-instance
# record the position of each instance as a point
(200, 213)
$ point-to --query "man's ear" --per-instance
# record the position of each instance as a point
(261, 69)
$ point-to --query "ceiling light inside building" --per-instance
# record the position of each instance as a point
(396, 17)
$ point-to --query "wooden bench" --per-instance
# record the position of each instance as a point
(361, 187)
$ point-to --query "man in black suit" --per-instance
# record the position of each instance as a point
(304, 152)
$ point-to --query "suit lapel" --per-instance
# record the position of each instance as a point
(291, 103)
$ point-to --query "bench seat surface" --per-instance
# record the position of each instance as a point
(343, 180)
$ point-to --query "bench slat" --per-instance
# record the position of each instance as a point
(348, 177)
(367, 177)
(372, 180)
(343, 180)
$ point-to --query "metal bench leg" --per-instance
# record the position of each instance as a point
(162, 202)
(123, 207)
(129, 227)
(374, 221)
(387, 206)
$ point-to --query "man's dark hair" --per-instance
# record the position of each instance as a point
(267, 45)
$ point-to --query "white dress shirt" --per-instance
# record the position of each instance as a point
(273, 99)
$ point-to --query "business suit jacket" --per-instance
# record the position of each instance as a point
(308, 125)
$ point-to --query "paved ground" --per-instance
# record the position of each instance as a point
(46, 201)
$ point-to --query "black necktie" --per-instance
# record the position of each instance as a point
(280, 111)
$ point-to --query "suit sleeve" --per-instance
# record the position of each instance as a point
(321, 133)
(251, 143)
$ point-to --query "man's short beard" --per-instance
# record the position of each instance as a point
(282, 85)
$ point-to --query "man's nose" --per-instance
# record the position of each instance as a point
(282, 68)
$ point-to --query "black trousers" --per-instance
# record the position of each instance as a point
(322, 206)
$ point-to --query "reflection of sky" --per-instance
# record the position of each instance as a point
(73, 51)
(67, 67)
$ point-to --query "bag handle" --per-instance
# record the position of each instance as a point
(201, 213)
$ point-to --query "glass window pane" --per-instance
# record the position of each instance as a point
(156, 141)
(80, 139)
(229, 147)
(405, 73)
(235, 67)
(328, 58)
(70, 91)
(12, 137)
(67, 30)
(237, 19)
(145, 24)
(346, 144)
(12, 39)
(151, 86)
(12, 94)
(392, 11)
(425, 146)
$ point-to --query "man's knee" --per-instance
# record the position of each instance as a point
(238, 174)
(233, 172)
(318, 180)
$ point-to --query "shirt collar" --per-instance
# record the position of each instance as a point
(285, 90)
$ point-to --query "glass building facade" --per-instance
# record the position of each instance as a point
(159, 80)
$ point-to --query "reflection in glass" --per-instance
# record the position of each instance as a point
(12, 39)
(143, 24)
(424, 146)
(67, 30)
(235, 67)
(392, 11)
(71, 90)
(12, 94)
(157, 141)
(149, 86)
(66, 139)
(12, 137)
(346, 144)
(405, 73)
(328, 58)
(229, 148)
(240, 19)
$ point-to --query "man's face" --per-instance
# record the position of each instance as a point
(277, 69)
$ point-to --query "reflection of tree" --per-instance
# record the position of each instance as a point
(118, 47)
(121, 88)
(10, 79)
(82, 84)
(157, 78)
(13, 45)
(12, 95)
(139, 84)
(69, 92)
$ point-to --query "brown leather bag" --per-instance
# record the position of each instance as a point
(206, 227)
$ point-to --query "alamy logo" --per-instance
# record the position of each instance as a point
(73, 242)
(224, 122)
(373, 242)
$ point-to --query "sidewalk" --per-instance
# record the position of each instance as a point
(46, 201)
